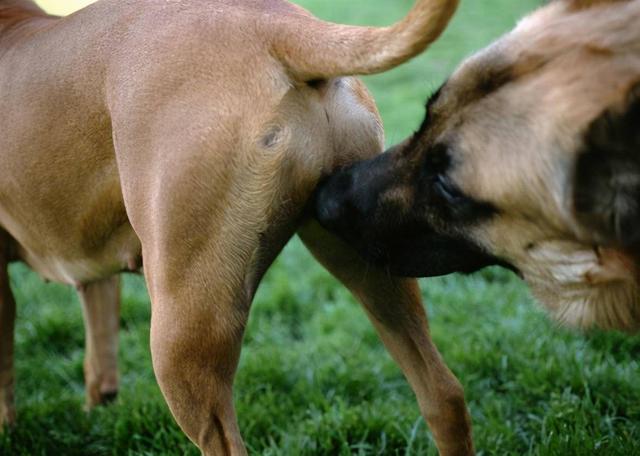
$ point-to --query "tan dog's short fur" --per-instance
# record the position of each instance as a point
(191, 134)
(529, 156)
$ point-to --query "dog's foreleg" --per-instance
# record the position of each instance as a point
(7, 322)
(101, 310)
(395, 307)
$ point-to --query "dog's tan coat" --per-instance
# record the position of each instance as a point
(528, 157)
(518, 146)
(190, 134)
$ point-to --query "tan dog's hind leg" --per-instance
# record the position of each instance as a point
(198, 220)
(199, 309)
(101, 310)
(7, 322)
(195, 355)
(395, 307)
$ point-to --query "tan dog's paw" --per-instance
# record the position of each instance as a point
(7, 415)
(103, 398)
(100, 394)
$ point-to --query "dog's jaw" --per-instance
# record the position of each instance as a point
(583, 286)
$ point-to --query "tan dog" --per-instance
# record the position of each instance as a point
(529, 157)
(191, 134)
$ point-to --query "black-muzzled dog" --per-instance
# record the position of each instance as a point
(529, 156)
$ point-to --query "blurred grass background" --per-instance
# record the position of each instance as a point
(314, 379)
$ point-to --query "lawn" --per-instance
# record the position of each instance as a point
(313, 378)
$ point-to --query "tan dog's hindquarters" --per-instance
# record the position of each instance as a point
(192, 134)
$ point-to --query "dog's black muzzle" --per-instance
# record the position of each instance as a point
(350, 204)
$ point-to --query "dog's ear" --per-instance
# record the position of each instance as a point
(606, 192)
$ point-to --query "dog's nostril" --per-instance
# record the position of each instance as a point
(329, 203)
(329, 212)
(333, 211)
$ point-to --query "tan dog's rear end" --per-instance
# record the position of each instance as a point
(191, 134)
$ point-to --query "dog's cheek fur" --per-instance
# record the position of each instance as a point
(572, 282)
(578, 285)
(607, 175)
(611, 306)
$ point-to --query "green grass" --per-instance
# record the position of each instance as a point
(314, 379)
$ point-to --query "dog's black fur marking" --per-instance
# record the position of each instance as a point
(433, 98)
(490, 82)
(606, 193)
(431, 101)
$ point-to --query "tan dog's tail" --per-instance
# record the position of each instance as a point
(314, 49)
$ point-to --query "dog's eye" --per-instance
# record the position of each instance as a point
(437, 160)
(445, 189)
(453, 205)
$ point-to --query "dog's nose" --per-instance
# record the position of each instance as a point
(332, 204)
(329, 211)
(338, 206)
